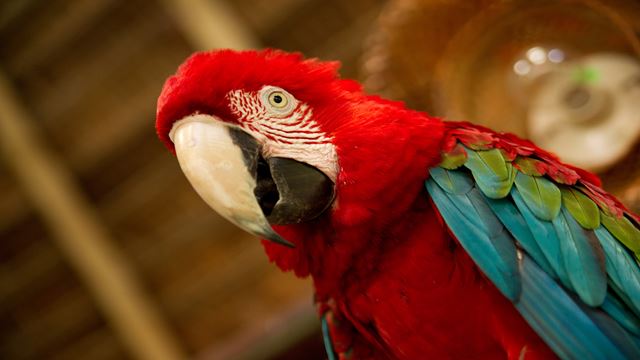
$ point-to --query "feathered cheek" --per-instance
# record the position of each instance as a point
(287, 134)
(286, 130)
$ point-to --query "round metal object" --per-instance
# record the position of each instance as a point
(558, 72)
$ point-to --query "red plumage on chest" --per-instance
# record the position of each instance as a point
(395, 281)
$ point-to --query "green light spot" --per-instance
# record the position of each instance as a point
(586, 75)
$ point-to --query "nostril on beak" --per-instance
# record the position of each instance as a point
(266, 191)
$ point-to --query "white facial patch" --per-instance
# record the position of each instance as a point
(285, 127)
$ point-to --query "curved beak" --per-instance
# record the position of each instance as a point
(221, 163)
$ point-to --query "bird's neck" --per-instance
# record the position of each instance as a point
(383, 165)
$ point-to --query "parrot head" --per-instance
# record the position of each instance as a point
(269, 138)
(253, 134)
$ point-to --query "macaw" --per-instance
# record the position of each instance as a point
(425, 239)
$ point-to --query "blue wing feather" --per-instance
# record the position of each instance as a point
(621, 314)
(546, 237)
(514, 221)
(556, 317)
(326, 337)
(591, 325)
(619, 336)
(622, 269)
(583, 259)
(494, 251)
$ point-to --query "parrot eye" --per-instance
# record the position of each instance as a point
(277, 100)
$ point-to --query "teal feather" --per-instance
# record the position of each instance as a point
(583, 259)
(454, 182)
(513, 220)
(618, 311)
(462, 184)
(481, 235)
(464, 206)
(561, 323)
(619, 336)
(546, 237)
(620, 293)
(326, 337)
(540, 194)
(622, 269)
(500, 238)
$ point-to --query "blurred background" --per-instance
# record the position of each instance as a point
(105, 250)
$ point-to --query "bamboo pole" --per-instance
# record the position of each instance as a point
(82, 238)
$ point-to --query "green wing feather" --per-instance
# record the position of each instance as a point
(454, 158)
(540, 194)
(492, 173)
(623, 230)
(583, 209)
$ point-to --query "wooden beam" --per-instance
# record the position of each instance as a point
(80, 235)
(210, 24)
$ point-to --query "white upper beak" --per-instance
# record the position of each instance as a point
(215, 167)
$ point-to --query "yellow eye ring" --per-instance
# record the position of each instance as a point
(278, 99)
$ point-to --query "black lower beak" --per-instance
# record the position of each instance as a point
(288, 191)
(292, 192)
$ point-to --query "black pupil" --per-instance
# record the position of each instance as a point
(277, 99)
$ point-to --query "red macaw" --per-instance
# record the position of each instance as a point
(425, 239)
